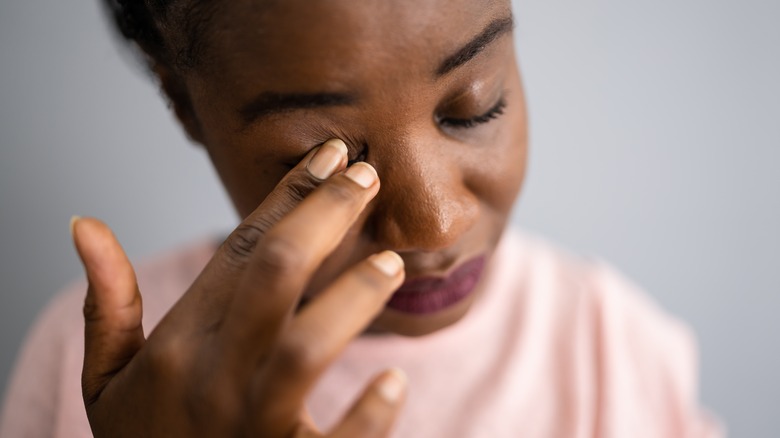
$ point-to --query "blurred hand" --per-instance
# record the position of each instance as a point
(232, 358)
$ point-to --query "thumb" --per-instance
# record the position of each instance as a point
(112, 309)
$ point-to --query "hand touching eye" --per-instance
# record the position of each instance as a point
(232, 358)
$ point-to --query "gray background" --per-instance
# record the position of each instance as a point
(655, 134)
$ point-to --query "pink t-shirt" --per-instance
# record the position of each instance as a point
(556, 346)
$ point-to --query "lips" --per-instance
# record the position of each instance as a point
(429, 294)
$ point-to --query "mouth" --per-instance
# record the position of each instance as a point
(426, 295)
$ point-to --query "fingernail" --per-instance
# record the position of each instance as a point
(73, 220)
(362, 173)
(388, 262)
(392, 385)
(328, 159)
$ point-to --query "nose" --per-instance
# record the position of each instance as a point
(424, 203)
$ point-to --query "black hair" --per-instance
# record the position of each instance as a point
(170, 32)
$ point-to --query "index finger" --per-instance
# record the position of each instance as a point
(205, 303)
(291, 252)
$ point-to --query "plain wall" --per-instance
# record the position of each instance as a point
(655, 131)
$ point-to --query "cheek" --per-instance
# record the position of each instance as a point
(247, 177)
(247, 162)
(248, 165)
(498, 171)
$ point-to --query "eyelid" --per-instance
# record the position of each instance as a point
(474, 88)
(495, 111)
(317, 134)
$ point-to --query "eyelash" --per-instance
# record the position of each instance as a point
(493, 113)
(359, 156)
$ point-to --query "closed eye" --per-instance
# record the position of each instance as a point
(493, 113)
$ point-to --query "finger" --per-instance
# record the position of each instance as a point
(287, 257)
(205, 305)
(112, 309)
(375, 412)
(315, 337)
(321, 163)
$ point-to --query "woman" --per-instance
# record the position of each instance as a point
(374, 151)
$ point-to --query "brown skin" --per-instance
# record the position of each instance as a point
(233, 357)
(446, 194)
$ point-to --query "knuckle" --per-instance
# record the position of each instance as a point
(279, 255)
(243, 241)
(341, 192)
(295, 356)
(91, 310)
(299, 186)
(91, 388)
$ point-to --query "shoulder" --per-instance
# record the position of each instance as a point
(566, 285)
(634, 363)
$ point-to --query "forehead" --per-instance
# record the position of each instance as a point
(341, 41)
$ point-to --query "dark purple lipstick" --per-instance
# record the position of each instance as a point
(429, 294)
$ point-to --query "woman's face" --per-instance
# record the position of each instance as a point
(427, 92)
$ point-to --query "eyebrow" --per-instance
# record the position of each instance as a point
(471, 49)
(270, 103)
